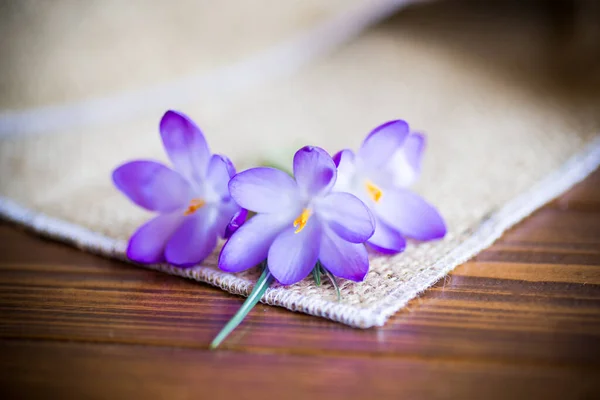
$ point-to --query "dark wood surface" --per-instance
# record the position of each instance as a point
(521, 320)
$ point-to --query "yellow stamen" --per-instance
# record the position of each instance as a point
(302, 219)
(195, 204)
(373, 191)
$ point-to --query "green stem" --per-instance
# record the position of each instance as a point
(317, 274)
(334, 283)
(261, 286)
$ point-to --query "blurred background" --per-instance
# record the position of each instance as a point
(135, 53)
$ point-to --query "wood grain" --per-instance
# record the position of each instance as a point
(520, 320)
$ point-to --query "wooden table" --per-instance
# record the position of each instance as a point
(521, 320)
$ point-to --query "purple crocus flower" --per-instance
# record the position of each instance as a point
(192, 200)
(388, 161)
(298, 222)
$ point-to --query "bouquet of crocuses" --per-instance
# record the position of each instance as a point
(317, 221)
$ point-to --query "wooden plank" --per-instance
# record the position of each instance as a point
(82, 371)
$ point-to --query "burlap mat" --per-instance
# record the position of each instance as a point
(505, 134)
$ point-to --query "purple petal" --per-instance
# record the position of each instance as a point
(230, 167)
(344, 159)
(410, 214)
(185, 144)
(238, 219)
(345, 162)
(265, 190)
(341, 258)
(347, 216)
(194, 240)
(314, 170)
(387, 240)
(249, 245)
(382, 142)
(414, 147)
(152, 185)
(293, 255)
(337, 157)
(229, 218)
(404, 166)
(147, 244)
(218, 175)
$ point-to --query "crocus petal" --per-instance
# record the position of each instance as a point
(314, 170)
(410, 214)
(414, 146)
(229, 164)
(194, 240)
(218, 175)
(386, 239)
(293, 255)
(185, 144)
(238, 219)
(382, 142)
(404, 166)
(265, 190)
(344, 159)
(152, 185)
(148, 243)
(249, 245)
(346, 169)
(347, 216)
(341, 258)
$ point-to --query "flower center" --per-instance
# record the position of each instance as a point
(374, 191)
(302, 219)
(195, 204)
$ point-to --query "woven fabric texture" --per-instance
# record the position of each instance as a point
(506, 132)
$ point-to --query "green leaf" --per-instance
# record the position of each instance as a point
(334, 283)
(261, 286)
